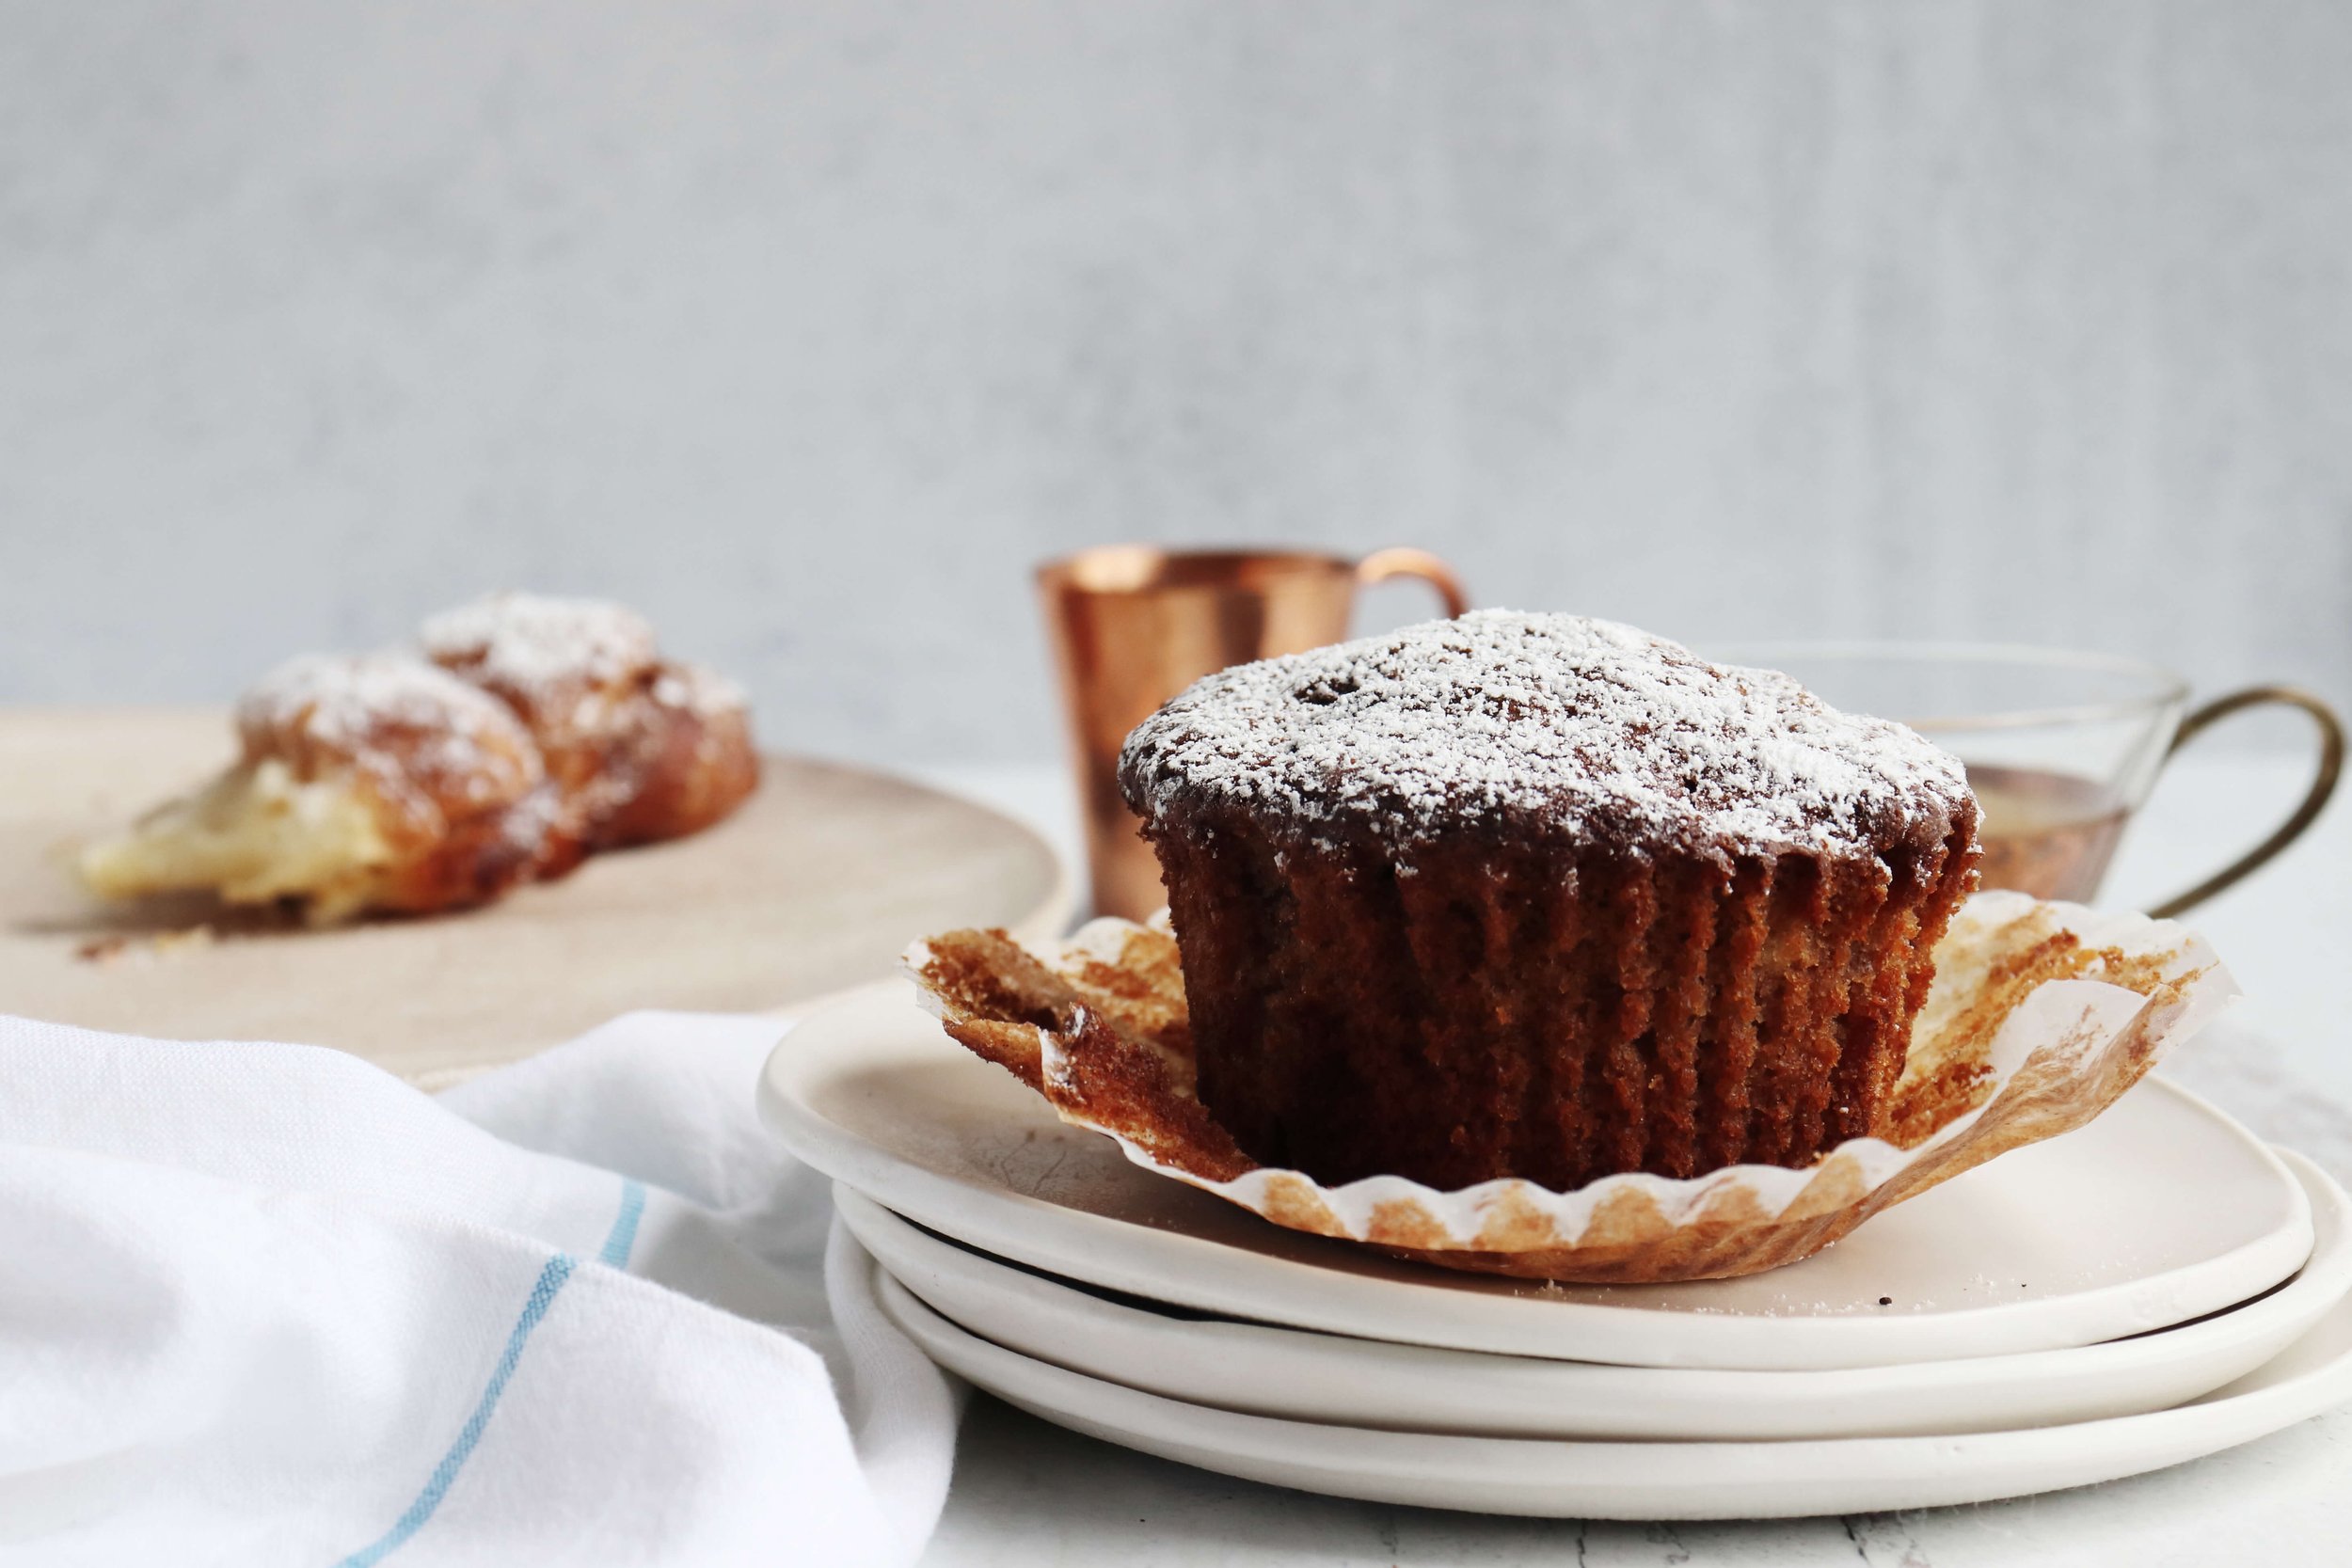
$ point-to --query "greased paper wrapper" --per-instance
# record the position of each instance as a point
(2042, 1015)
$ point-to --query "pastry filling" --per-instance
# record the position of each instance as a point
(257, 834)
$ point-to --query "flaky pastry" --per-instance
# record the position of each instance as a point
(535, 732)
(367, 782)
(640, 749)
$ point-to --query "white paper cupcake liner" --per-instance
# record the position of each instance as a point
(2042, 1015)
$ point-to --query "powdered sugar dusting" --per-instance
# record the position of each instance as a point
(1557, 723)
(699, 691)
(339, 697)
(360, 705)
(531, 644)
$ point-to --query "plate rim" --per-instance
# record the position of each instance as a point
(1133, 1259)
(1583, 1478)
(2256, 1330)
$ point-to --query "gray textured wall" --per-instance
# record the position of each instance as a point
(809, 327)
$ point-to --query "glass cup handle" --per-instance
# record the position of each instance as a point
(1406, 561)
(2323, 782)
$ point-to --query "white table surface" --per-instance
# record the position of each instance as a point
(1028, 1495)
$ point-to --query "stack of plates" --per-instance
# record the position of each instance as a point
(2156, 1287)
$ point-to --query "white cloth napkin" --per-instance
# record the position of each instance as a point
(267, 1303)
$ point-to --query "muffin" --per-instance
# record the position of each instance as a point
(1543, 896)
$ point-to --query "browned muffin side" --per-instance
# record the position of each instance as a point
(1540, 896)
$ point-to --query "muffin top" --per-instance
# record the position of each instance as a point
(1553, 726)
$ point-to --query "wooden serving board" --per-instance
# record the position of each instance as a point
(815, 885)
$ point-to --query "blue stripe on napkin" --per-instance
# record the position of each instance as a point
(551, 1280)
(624, 1233)
(618, 1243)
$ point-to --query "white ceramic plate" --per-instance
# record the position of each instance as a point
(1649, 1480)
(1364, 1383)
(2161, 1211)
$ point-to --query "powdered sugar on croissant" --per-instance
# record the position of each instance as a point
(640, 749)
(366, 781)
(535, 731)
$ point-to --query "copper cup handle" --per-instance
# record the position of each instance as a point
(1406, 561)
(2323, 782)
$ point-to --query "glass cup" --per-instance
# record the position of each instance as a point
(2060, 747)
(1132, 625)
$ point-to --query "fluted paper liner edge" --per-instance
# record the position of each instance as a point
(2040, 1017)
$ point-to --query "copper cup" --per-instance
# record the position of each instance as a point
(1132, 625)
